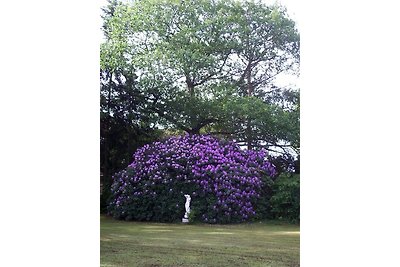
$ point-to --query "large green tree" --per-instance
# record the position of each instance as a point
(209, 66)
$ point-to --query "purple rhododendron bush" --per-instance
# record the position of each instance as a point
(226, 184)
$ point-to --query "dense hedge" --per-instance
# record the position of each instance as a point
(285, 202)
(225, 182)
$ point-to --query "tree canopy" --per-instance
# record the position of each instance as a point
(201, 67)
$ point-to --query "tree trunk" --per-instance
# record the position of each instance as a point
(249, 93)
(190, 86)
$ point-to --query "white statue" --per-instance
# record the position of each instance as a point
(187, 207)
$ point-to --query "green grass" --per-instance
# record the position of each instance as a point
(160, 244)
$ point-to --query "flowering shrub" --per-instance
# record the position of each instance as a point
(224, 181)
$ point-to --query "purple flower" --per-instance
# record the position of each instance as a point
(220, 171)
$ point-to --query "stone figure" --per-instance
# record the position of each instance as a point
(187, 207)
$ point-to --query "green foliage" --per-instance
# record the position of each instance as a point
(263, 205)
(104, 199)
(193, 215)
(206, 66)
(285, 201)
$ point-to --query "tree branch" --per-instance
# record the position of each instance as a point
(202, 124)
(170, 119)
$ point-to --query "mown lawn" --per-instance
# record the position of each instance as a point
(158, 244)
